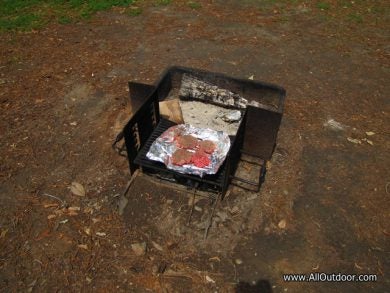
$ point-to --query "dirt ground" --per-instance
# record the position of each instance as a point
(324, 205)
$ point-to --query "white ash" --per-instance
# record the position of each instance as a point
(205, 115)
(233, 116)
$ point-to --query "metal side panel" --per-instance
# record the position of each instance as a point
(261, 131)
(139, 92)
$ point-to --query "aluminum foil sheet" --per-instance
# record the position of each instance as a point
(164, 146)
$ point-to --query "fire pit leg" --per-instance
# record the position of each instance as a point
(122, 203)
(211, 216)
(192, 204)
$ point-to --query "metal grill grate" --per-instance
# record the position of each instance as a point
(216, 180)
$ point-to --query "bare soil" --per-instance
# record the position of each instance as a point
(323, 206)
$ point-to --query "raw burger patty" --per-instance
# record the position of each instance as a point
(200, 159)
(181, 157)
(186, 142)
(207, 146)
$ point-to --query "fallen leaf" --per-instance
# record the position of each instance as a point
(354, 140)
(87, 231)
(43, 234)
(282, 224)
(157, 246)
(101, 234)
(370, 133)
(31, 286)
(50, 205)
(235, 210)
(74, 123)
(199, 209)
(215, 258)
(252, 197)
(88, 210)
(3, 233)
(171, 244)
(77, 189)
(209, 280)
(357, 266)
(95, 220)
(251, 77)
(49, 217)
(97, 206)
(222, 216)
(368, 141)
(83, 246)
(333, 124)
(64, 221)
(59, 212)
(139, 248)
(73, 209)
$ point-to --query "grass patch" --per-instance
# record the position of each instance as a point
(63, 19)
(27, 21)
(134, 11)
(323, 5)
(163, 2)
(194, 5)
(345, 4)
(33, 14)
(355, 18)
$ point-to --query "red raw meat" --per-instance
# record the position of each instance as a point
(181, 157)
(207, 146)
(200, 159)
(187, 142)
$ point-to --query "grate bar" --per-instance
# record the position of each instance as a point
(216, 180)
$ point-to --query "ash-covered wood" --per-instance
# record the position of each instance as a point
(196, 89)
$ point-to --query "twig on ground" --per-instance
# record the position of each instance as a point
(55, 197)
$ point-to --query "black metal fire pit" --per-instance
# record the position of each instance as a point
(256, 135)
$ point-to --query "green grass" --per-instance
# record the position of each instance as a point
(134, 11)
(345, 4)
(27, 15)
(26, 20)
(163, 2)
(194, 5)
(355, 17)
(63, 19)
(323, 5)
